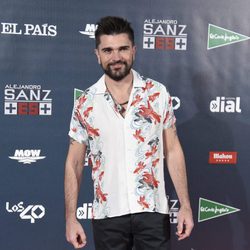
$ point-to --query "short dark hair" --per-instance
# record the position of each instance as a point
(112, 25)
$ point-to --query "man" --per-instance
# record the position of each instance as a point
(127, 122)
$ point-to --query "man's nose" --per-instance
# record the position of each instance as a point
(116, 55)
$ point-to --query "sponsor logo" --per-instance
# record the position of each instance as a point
(222, 157)
(27, 156)
(176, 102)
(84, 212)
(89, 30)
(28, 29)
(173, 211)
(31, 212)
(77, 93)
(218, 37)
(22, 99)
(210, 209)
(225, 104)
(164, 35)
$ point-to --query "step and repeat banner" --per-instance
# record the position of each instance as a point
(199, 49)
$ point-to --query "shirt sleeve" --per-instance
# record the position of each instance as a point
(77, 130)
(168, 112)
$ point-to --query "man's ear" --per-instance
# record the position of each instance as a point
(97, 55)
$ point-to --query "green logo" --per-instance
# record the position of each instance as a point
(210, 209)
(218, 37)
(77, 93)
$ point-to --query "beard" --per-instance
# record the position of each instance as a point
(117, 74)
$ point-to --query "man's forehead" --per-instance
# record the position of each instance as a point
(115, 40)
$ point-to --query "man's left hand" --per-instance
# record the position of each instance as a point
(185, 223)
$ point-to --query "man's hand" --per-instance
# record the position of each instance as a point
(185, 223)
(75, 234)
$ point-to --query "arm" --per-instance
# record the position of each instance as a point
(73, 173)
(177, 169)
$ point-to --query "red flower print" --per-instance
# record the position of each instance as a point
(152, 152)
(100, 195)
(101, 175)
(148, 112)
(140, 166)
(92, 131)
(138, 136)
(155, 162)
(154, 96)
(150, 179)
(148, 86)
(166, 117)
(137, 100)
(86, 112)
(142, 202)
(81, 101)
(97, 165)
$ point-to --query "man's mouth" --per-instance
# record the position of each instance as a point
(117, 64)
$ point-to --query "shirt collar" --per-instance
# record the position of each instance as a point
(138, 82)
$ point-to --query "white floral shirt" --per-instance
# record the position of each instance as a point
(126, 152)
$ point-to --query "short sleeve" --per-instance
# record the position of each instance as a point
(168, 112)
(77, 130)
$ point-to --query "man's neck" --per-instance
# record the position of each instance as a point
(120, 87)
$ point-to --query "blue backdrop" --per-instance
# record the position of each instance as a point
(198, 49)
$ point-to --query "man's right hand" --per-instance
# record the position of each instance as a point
(75, 234)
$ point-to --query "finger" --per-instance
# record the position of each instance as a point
(183, 236)
(180, 227)
(186, 231)
(81, 239)
(76, 242)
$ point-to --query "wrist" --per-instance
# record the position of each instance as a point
(71, 218)
(185, 205)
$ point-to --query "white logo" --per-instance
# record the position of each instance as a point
(31, 212)
(27, 156)
(84, 212)
(89, 30)
(225, 104)
(173, 211)
(28, 29)
(176, 102)
(164, 35)
(22, 99)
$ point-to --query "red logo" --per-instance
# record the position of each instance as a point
(222, 157)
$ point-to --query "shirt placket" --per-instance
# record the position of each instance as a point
(130, 153)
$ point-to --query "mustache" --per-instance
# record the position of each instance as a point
(117, 62)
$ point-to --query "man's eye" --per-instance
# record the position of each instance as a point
(124, 48)
(107, 51)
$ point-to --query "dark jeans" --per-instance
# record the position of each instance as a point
(142, 231)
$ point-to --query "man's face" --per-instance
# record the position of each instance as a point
(115, 54)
